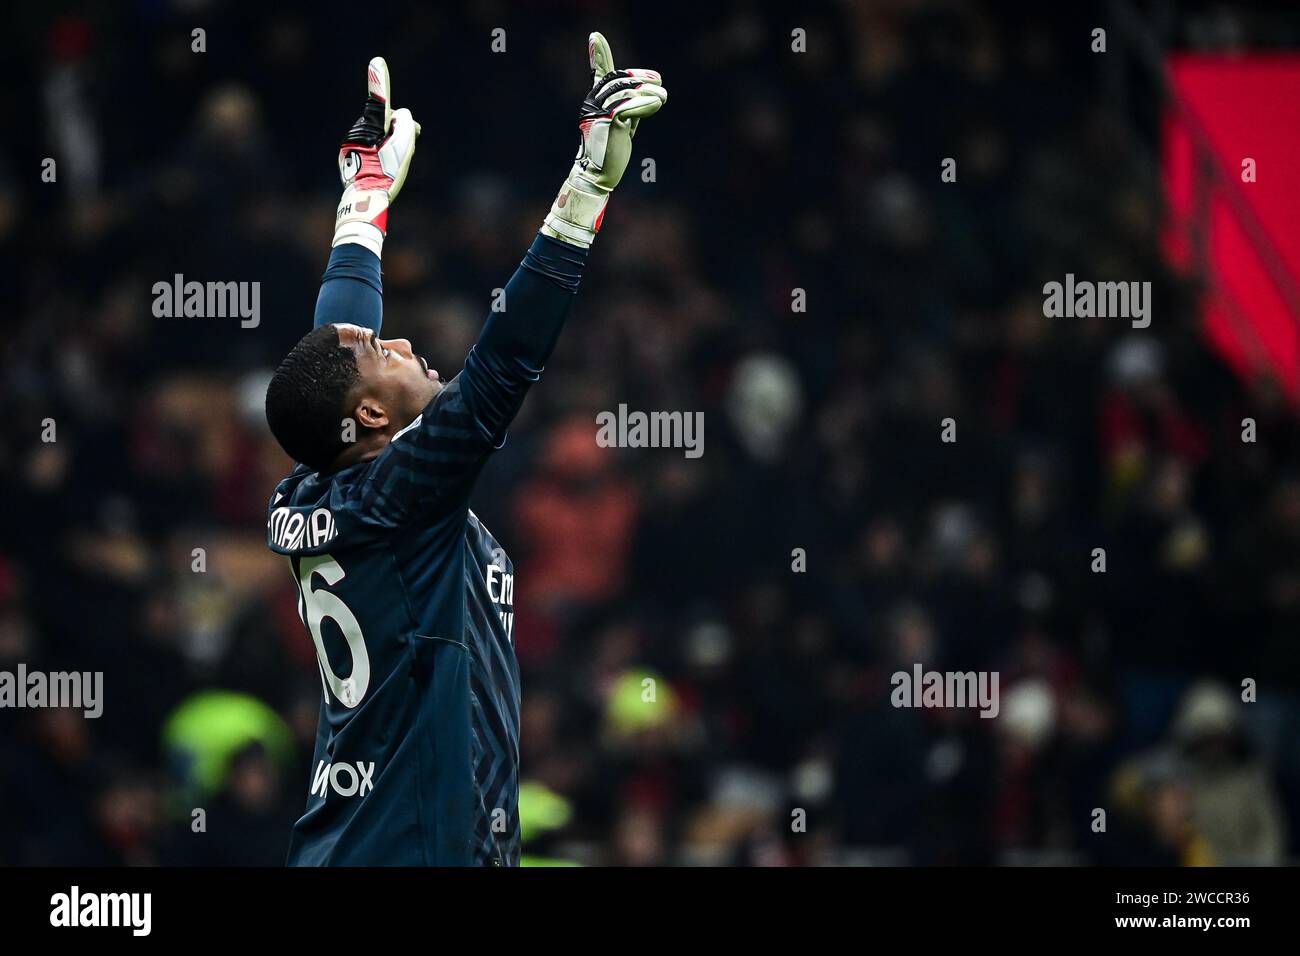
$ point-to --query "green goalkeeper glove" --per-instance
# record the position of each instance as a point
(618, 101)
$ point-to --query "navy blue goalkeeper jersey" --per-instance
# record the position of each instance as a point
(410, 603)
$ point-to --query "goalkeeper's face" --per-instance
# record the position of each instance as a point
(394, 384)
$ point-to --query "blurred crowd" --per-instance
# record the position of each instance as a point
(133, 544)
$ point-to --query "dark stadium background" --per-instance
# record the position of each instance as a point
(775, 171)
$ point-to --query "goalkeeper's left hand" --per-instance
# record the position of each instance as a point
(618, 101)
(373, 162)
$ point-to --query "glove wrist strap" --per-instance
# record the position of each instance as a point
(576, 214)
(361, 218)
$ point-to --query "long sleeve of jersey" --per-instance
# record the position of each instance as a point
(437, 457)
(515, 342)
(351, 289)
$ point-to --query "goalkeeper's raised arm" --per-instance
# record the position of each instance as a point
(343, 371)
(516, 341)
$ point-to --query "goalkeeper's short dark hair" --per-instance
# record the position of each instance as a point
(306, 401)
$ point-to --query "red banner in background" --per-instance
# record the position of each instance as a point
(1227, 110)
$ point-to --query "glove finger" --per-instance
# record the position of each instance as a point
(609, 92)
(631, 89)
(599, 56)
(618, 98)
(376, 117)
(638, 104)
(404, 131)
(395, 153)
(379, 85)
(624, 80)
(646, 76)
(612, 81)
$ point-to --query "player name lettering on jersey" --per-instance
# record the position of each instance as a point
(292, 530)
(345, 779)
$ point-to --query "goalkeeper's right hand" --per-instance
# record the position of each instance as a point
(618, 101)
(373, 162)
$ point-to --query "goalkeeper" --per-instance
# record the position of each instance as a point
(407, 597)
